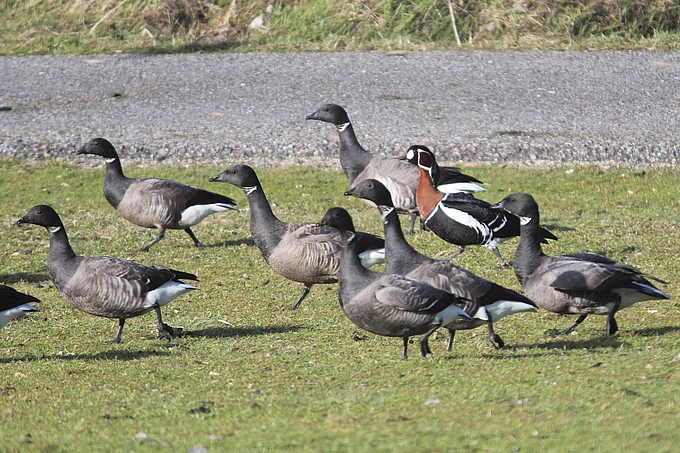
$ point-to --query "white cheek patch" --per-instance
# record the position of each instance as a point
(53, 229)
(524, 220)
(249, 190)
(342, 127)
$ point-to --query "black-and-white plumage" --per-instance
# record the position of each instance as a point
(399, 178)
(14, 304)
(104, 286)
(581, 283)
(305, 252)
(488, 302)
(390, 305)
(460, 218)
(153, 202)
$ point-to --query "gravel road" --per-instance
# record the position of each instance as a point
(518, 108)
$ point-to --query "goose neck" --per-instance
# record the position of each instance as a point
(400, 257)
(353, 157)
(529, 252)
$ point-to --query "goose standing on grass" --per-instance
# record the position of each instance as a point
(107, 287)
(582, 283)
(400, 178)
(390, 305)
(460, 218)
(308, 253)
(489, 302)
(14, 304)
(152, 202)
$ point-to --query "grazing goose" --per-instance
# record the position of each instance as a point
(401, 179)
(14, 304)
(460, 218)
(152, 202)
(103, 286)
(582, 283)
(490, 302)
(390, 305)
(308, 253)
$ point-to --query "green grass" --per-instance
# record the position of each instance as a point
(151, 26)
(249, 376)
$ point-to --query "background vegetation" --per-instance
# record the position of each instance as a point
(248, 376)
(94, 26)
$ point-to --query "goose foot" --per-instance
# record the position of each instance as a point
(166, 332)
(496, 341)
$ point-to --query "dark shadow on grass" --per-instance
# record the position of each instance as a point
(557, 228)
(247, 241)
(8, 279)
(562, 344)
(654, 331)
(105, 355)
(230, 332)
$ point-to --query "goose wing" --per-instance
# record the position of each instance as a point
(407, 294)
(10, 298)
(571, 274)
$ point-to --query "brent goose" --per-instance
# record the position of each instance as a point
(308, 253)
(153, 202)
(390, 305)
(104, 286)
(460, 218)
(491, 301)
(581, 283)
(14, 304)
(401, 179)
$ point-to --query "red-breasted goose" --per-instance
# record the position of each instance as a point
(153, 202)
(401, 179)
(14, 304)
(489, 302)
(460, 218)
(581, 283)
(104, 286)
(308, 253)
(390, 305)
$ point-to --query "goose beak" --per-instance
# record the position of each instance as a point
(350, 192)
(217, 178)
(22, 220)
(311, 116)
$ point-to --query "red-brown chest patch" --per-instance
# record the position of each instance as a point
(427, 196)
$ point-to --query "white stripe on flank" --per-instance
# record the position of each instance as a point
(460, 187)
(465, 219)
(370, 258)
(14, 313)
(164, 294)
(194, 214)
(503, 308)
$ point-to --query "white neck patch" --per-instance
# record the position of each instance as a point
(524, 220)
(385, 211)
(249, 190)
(111, 159)
(53, 229)
(350, 236)
(342, 127)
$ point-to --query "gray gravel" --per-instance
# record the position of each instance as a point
(523, 108)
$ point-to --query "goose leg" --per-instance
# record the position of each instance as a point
(411, 227)
(424, 345)
(164, 330)
(495, 340)
(121, 324)
(191, 234)
(501, 261)
(612, 325)
(568, 330)
(161, 233)
(461, 249)
(449, 344)
(305, 291)
(404, 356)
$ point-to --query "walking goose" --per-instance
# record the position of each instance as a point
(400, 179)
(489, 302)
(104, 286)
(308, 253)
(14, 304)
(460, 218)
(153, 202)
(581, 283)
(390, 305)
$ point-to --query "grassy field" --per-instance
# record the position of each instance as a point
(144, 26)
(248, 376)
